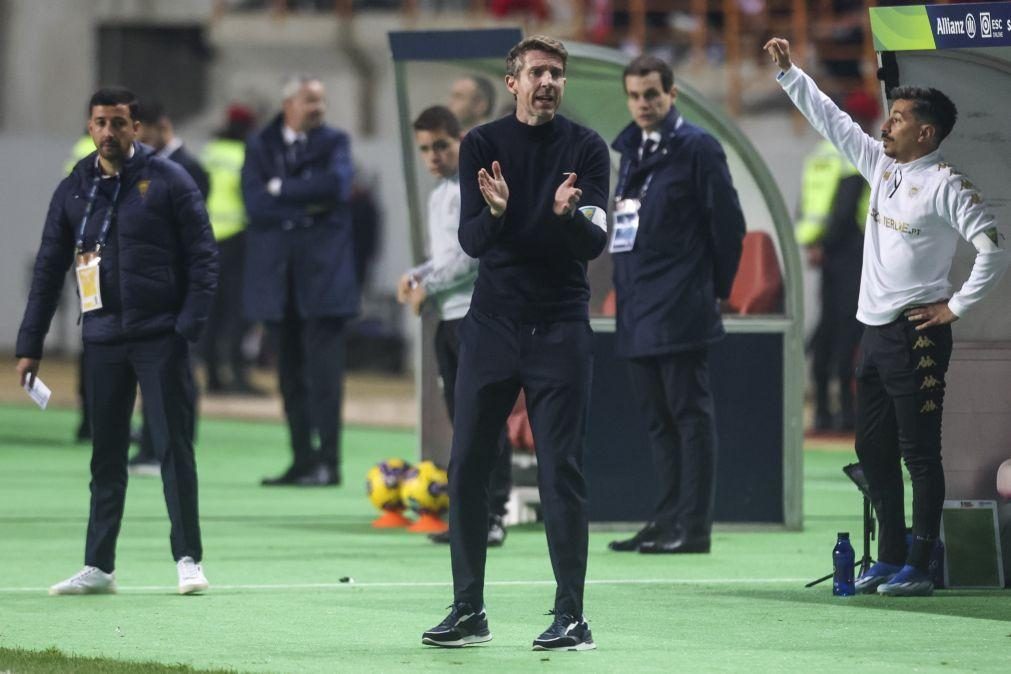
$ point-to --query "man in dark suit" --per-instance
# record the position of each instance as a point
(676, 246)
(156, 130)
(300, 269)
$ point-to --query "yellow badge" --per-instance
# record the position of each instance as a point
(913, 191)
(88, 285)
(142, 187)
(887, 175)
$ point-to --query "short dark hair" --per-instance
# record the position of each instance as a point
(929, 106)
(149, 112)
(114, 96)
(485, 90)
(514, 59)
(646, 64)
(438, 118)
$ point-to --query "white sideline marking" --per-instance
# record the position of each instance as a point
(440, 583)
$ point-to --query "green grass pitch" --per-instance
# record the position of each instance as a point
(275, 559)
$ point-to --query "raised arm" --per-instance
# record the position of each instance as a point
(862, 150)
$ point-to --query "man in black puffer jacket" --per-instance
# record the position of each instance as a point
(144, 220)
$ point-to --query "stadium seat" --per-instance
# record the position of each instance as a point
(758, 286)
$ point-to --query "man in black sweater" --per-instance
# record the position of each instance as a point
(534, 187)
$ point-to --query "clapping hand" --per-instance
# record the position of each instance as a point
(567, 196)
(494, 189)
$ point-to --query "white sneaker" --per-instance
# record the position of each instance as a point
(89, 580)
(191, 576)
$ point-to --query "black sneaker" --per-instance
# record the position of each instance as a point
(462, 627)
(567, 633)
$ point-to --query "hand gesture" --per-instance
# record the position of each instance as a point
(930, 315)
(779, 50)
(567, 196)
(494, 189)
(27, 369)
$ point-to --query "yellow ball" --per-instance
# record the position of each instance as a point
(425, 489)
(382, 483)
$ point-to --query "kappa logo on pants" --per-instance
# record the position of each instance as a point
(925, 362)
(928, 407)
(929, 382)
(923, 342)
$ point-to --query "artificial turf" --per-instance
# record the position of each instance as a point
(276, 559)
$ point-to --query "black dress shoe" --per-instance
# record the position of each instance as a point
(320, 476)
(442, 537)
(650, 532)
(676, 544)
(288, 477)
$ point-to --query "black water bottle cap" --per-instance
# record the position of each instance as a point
(843, 534)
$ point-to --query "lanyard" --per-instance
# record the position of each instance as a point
(624, 176)
(103, 234)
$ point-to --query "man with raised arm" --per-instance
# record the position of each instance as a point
(919, 207)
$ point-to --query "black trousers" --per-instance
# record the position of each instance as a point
(900, 396)
(835, 341)
(447, 353)
(112, 371)
(552, 363)
(672, 393)
(226, 326)
(310, 368)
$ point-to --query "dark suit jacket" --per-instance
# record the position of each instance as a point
(688, 246)
(182, 157)
(299, 244)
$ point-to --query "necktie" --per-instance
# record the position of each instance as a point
(648, 148)
(295, 153)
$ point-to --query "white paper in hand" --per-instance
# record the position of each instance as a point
(38, 392)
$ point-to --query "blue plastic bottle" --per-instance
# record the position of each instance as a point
(843, 558)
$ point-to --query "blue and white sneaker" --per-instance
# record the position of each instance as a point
(566, 633)
(909, 582)
(880, 572)
(462, 627)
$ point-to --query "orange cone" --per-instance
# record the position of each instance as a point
(391, 519)
(428, 523)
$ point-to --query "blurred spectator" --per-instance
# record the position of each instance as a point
(226, 325)
(472, 101)
(300, 273)
(367, 223)
(157, 131)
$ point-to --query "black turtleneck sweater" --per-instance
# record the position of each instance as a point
(533, 262)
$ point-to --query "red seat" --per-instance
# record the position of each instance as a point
(758, 286)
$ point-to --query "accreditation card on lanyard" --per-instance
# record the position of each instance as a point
(87, 263)
(626, 219)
